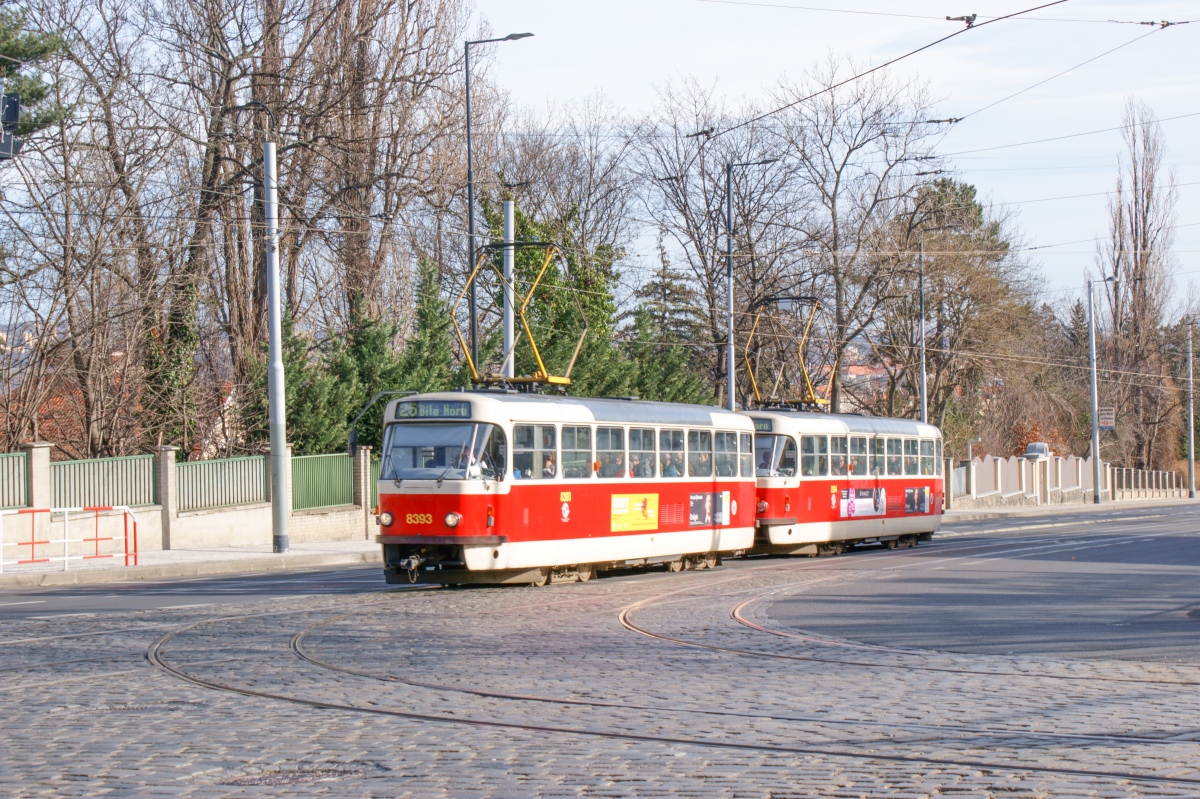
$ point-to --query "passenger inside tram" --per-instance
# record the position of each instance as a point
(669, 467)
(548, 469)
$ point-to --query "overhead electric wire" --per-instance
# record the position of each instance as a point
(884, 65)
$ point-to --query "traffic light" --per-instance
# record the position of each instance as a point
(10, 117)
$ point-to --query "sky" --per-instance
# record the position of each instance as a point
(626, 50)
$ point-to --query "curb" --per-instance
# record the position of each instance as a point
(198, 569)
(954, 517)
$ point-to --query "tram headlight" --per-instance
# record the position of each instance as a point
(386, 519)
(452, 519)
(762, 506)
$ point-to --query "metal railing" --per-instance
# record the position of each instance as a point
(221, 483)
(104, 481)
(322, 481)
(376, 467)
(14, 480)
(38, 545)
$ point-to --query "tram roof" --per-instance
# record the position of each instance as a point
(850, 423)
(531, 407)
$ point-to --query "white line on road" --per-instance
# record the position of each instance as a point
(31, 602)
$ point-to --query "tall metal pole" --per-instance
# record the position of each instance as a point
(729, 355)
(471, 214)
(1095, 399)
(921, 302)
(280, 511)
(509, 297)
(1191, 421)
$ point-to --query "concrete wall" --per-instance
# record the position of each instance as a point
(1015, 482)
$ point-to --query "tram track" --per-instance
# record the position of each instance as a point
(298, 646)
(156, 657)
(624, 617)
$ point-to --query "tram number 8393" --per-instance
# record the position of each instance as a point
(418, 518)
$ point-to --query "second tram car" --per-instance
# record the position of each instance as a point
(829, 481)
(502, 487)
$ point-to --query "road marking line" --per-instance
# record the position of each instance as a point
(31, 602)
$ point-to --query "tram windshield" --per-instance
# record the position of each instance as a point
(443, 451)
(775, 455)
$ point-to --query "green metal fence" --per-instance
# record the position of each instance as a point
(14, 480)
(219, 483)
(322, 481)
(103, 481)
(376, 465)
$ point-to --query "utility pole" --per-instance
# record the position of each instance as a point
(280, 513)
(471, 302)
(730, 354)
(1095, 398)
(1191, 420)
(509, 369)
(921, 303)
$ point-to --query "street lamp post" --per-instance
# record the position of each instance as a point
(1191, 421)
(730, 355)
(921, 303)
(1095, 390)
(471, 187)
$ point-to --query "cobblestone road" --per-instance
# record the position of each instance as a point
(657, 685)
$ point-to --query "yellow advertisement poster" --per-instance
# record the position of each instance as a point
(634, 512)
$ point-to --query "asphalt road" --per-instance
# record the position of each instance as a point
(1125, 584)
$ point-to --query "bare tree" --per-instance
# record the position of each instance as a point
(858, 150)
(1137, 257)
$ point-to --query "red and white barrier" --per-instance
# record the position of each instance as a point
(126, 541)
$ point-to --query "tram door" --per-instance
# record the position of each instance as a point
(841, 490)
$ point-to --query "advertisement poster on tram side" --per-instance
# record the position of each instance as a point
(857, 502)
(916, 500)
(634, 512)
(709, 509)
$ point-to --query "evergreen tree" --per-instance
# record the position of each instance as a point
(663, 367)
(319, 402)
(365, 356)
(20, 51)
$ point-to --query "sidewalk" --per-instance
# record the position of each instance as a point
(983, 514)
(196, 563)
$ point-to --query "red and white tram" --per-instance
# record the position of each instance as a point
(501, 487)
(826, 482)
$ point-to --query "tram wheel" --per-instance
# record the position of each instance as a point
(584, 572)
(710, 561)
(891, 543)
(675, 565)
(542, 579)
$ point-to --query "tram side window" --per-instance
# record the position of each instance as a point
(700, 453)
(641, 452)
(911, 458)
(926, 456)
(858, 456)
(877, 456)
(577, 451)
(895, 456)
(670, 447)
(727, 454)
(814, 456)
(938, 464)
(534, 455)
(747, 455)
(610, 451)
(838, 455)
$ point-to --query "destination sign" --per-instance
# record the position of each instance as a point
(763, 426)
(433, 409)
